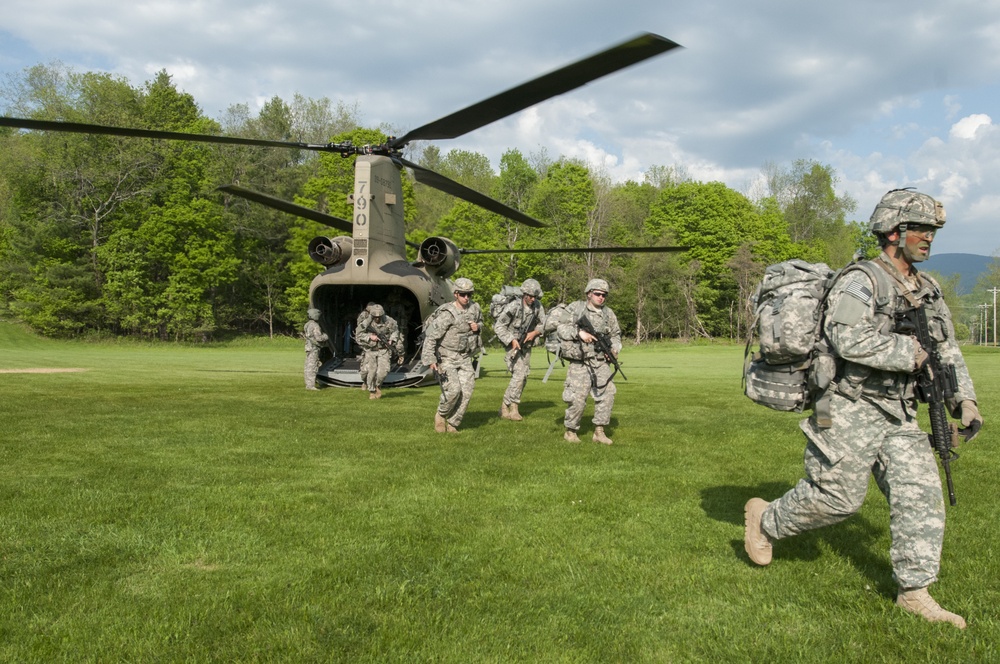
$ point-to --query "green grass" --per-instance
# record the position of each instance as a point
(188, 503)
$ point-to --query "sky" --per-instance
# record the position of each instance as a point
(889, 94)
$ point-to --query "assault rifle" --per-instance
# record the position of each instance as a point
(602, 343)
(382, 340)
(936, 382)
(521, 340)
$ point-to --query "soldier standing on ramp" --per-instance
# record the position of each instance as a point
(518, 327)
(379, 338)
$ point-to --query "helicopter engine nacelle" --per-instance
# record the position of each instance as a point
(440, 255)
(326, 251)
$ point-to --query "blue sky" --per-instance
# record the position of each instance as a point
(889, 94)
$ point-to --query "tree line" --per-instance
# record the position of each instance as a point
(123, 236)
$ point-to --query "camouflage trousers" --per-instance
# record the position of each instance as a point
(311, 368)
(519, 366)
(583, 379)
(457, 383)
(838, 460)
(374, 368)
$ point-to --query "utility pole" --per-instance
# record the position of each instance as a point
(994, 291)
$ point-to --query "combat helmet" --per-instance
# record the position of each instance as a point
(596, 284)
(313, 314)
(376, 310)
(531, 287)
(902, 207)
(464, 285)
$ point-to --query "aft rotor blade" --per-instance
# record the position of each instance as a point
(83, 128)
(577, 250)
(290, 208)
(544, 87)
(438, 181)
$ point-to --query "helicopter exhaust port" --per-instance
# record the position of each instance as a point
(440, 256)
(329, 252)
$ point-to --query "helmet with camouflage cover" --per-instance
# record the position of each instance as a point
(531, 287)
(376, 310)
(464, 285)
(596, 284)
(313, 314)
(901, 207)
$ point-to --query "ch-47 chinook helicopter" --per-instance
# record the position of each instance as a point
(369, 264)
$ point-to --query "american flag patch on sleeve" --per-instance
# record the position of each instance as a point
(859, 291)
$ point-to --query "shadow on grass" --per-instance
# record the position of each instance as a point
(854, 539)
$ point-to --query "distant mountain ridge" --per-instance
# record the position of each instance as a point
(969, 267)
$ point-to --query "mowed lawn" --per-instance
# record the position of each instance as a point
(195, 503)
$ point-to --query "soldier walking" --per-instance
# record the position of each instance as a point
(518, 327)
(379, 337)
(873, 407)
(589, 372)
(450, 343)
(314, 336)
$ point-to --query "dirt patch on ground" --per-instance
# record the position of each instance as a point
(42, 370)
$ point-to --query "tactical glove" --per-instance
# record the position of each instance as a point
(920, 358)
(972, 421)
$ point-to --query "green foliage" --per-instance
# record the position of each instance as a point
(127, 236)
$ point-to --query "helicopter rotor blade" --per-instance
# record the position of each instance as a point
(449, 186)
(577, 250)
(290, 208)
(84, 128)
(555, 83)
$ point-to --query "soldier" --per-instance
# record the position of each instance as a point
(589, 372)
(450, 342)
(379, 338)
(314, 337)
(874, 410)
(518, 327)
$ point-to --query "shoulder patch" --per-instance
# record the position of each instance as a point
(860, 291)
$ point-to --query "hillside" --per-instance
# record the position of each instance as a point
(967, 266)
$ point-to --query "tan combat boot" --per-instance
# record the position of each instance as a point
(571, 437)
(371, 395)
(755, 540)
(504, 411)
(599, 436)
(449, 428)
(920, 602)
(440, 425)
(514, 415)
(378, 393)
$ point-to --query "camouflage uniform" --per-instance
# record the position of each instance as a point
(874, 428)
(588, 372)
(450, 343)
(375, 357)
(314, 336)
(514, 322)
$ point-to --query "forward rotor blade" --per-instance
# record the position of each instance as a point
(577, 250)
(82, 128)
(544, 87)
(438, 181)
(290, 208)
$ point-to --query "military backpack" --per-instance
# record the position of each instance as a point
(794, 364)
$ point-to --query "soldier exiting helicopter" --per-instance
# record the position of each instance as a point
(450, 342)
(518, 327)
(314, 336)
(379, 338)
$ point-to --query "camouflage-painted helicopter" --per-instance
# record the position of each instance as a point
(369, 263)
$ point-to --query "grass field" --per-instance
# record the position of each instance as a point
(181, 503)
